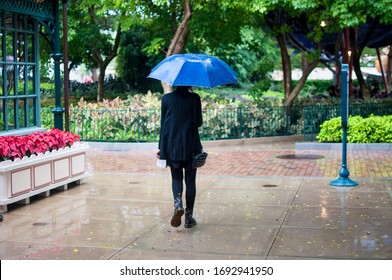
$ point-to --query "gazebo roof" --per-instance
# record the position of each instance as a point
(38, 8)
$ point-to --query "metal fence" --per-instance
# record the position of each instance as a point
(111, 125)
(218, 123)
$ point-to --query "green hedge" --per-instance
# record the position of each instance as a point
(373, 129)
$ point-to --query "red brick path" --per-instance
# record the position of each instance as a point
(253, 161)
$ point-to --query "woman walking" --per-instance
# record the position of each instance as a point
(179, 140)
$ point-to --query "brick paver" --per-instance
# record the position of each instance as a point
(254, 161)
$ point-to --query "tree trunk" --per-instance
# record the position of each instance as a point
(179, 47)
(304, 62)
(338, 64)
(179, 39)
(103, 63)
(101, 83)
(291, 95)
(355, 56)
(103, 60)
(286, 65)
(94, 74)
(182, 32)
(360, 78)
(388, 71)
(297, 89)
(357, 52)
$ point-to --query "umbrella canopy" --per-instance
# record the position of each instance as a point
(194, 70)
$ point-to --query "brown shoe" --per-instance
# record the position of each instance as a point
(176, 219)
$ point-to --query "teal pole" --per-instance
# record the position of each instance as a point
(344, 180)
(58, 109)
(56, 55)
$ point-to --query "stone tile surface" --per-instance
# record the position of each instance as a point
(251, 204)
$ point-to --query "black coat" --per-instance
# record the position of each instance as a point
(180, 118)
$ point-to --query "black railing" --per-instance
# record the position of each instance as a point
(218, 123)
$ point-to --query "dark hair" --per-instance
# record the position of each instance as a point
(184, 88)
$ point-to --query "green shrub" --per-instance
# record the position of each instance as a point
(135, 118)
(373, 129)
(331, 131)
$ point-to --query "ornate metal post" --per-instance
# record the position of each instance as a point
(57, 55)
(343, 180)
(66, 76)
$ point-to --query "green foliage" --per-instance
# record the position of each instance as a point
(259, 88)
(89, 32)
(255, 57)
(374, 129)
(134, 119)
(312, 87)
(95, 29)
(231, 29)
(137, 118)
(87, 91)
(355, 13)
(244, 122)
(226, 114)
(155, 46)
(216, 24)
(314, 92)
(46, 65)
(133, 65)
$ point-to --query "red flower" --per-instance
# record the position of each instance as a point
(13, 147)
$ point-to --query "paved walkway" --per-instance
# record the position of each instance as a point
(255, 200)
(255, 159)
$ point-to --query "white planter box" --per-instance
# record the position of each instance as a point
(23, 178)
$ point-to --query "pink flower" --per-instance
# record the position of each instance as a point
(13, 147)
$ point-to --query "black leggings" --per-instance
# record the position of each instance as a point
(177, 169)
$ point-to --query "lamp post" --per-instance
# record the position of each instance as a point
(57, 55)
(66, 76)
(344, 180)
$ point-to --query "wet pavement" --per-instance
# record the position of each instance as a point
(256, 199)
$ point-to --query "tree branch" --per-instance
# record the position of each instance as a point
(294, 93)
(114, 50)
(181, 30)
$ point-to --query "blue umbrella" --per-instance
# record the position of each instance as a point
(194, 70)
